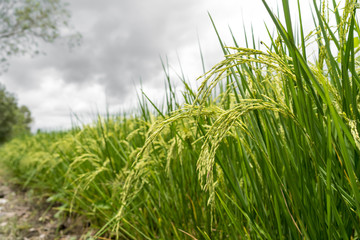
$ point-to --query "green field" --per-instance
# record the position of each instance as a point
(268, 147)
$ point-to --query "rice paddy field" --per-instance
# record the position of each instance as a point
(267, 147)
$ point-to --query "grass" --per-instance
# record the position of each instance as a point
(267, 148)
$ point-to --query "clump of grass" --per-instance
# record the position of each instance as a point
(267, 148)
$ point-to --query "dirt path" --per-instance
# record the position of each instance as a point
(24, 217)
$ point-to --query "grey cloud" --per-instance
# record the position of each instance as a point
(122, 42)
(122, 45)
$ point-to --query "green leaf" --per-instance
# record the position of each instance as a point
(356, 42)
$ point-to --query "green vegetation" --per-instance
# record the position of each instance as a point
(14, 120)
(268, 148)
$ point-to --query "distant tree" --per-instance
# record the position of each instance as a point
(24, 23)
(23, 121)
(14, 120)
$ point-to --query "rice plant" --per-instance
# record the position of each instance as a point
(267, 148)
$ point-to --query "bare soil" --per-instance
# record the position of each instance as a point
(23, 216)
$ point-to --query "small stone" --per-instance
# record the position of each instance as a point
(3, 224)
(42, 236)
(3, 200)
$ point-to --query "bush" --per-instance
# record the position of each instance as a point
(14, 120)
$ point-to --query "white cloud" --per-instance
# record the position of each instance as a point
(54, 101)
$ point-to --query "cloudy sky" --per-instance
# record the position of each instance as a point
(121, 48)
